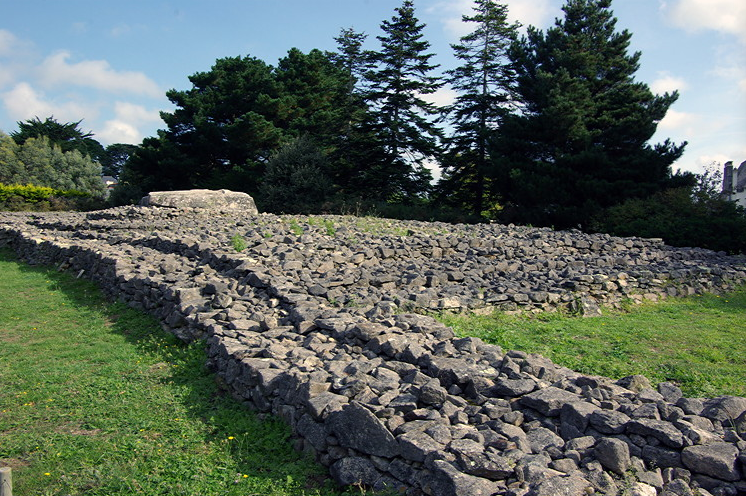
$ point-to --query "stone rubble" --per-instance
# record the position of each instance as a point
(316, 321)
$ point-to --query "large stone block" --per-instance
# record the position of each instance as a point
(201, 198)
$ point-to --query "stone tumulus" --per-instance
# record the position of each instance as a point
(325, 328)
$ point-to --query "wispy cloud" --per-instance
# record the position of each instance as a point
(442, 97)
(725, 16)
(24, 102)
(125, 127)
(538, 13)
(56, 70)
(675, 120)
(666, 83)
(7, 42)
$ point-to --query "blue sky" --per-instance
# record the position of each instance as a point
(110, 63)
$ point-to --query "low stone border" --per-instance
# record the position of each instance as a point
(307, 323)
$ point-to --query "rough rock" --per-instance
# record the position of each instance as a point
(202, 199)
(322, 327)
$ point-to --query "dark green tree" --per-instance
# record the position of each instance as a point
(235, 117)
(115, 156)
(485, 84)
(358, 158)
(296, 181)
(223, 128)
(68, 136)
(580, 142)
(354, 61)
(41, 162)
(402, 120)
(310, 88)
(693, 215)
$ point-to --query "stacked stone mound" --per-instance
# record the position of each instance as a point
(315, 321)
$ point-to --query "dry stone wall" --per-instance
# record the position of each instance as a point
(320, 321)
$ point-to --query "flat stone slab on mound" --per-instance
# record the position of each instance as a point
(201, 198)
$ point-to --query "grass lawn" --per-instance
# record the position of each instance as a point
(698, 343)
(96, 399)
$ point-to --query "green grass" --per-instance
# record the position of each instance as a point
(698, 343)
(96, 399)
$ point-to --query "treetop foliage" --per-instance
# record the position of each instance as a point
(549, 128)
(40, 162)
(580, 142)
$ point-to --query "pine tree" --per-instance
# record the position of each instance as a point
(68, 136)
(580, 142)
(221, 132)
(402, 118)
(485, 83)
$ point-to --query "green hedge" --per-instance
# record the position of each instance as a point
(34, 194)
(30, 197)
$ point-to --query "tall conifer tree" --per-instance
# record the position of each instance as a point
(356, 162)
(580, 143)
(403, 123)
(485, 83)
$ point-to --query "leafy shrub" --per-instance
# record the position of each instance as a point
(681, 217)
(125, 194)
(41, 198)
(296, 180)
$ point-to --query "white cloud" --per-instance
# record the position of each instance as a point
(23, 103)
(116, 131)
(705, 161)
(726, 16)
(55, 70)
(678, 120)
(666, 83)
(125, 127)
(442, 97)
(5, 77)
(8, 41)
(538, 13)
(120, 30)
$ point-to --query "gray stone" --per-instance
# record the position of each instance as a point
(447, 480)
(312, 432)
(613, 454)
(415, 445)
(634, 382)
(641, 489)
(541, 439)
(671, 392)
(356, 427)
(322, 405)
(548, 401)
(573, 485)
(661, 457)
(663, 431)
(717, 460)
(355, 470)
(575, 417)
(511, 388)
(203, 199)
(724, 409)
(609, 421)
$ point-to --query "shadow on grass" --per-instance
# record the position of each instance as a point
(259, 446)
